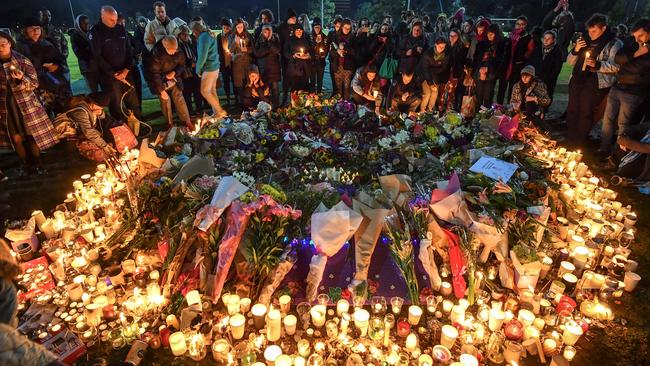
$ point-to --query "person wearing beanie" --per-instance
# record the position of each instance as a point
(240, 45)
(81, 48)
(318, 42)
(225, 59)
(333, 32)
(297, 51)
(529, 96)
(254, 90)
(285, 31)
(267, 53)
(265, 18)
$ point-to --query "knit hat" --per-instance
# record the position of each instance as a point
(529, 69)
(101, 99)
(298, 26)
(316, 21)
(291, 13)
(226, 22)
(33, 22)
(253, 69)
(267, 26)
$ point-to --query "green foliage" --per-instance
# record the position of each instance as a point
(329, 9)
(376, 10)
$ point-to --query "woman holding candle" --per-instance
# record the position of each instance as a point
(267, 52)
(240, 45)
(297, 52)
(319, 49)
(593, 75)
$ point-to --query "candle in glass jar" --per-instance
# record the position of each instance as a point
(290, 322)
(457, 314)
(526, 317)
(177, 343)
(403, 327)
(193, 298)
(244, 305)
(468, 360)
(220, 350)
(283, 360)
(345, 322)
(572, 332)
(285, 303)
(396, 304)
(237, 326)
(448, 336)
(411, 342)
(361, 318)
(569, 353)
(271, 353)
(233, 303)
(445, 289)
(342, 306)
(318, 313)
(415, 313)
(273, 325)
(425, 360)
(447, 305)
(259, 312)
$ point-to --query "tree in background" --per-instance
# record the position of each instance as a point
(329, 9)
(376, 10)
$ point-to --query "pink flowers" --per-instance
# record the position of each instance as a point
(269, 208)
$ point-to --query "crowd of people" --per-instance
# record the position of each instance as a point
(411, 65)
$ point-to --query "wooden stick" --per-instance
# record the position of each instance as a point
(540, 351)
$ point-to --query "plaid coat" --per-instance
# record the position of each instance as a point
(37, 123)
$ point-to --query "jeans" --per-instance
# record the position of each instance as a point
(619, 113)
(209, 91)
(226, 77)
(372, 104)
(585, 108)
(342, 79)
(176, 95)
(316, 77)
(429, 96)
(484, 92)
(116, 90)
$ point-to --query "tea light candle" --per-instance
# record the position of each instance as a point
(244, 305)
(237, 326)
(259, 312)
(468, 360)
(283, 360)
(566, 267)
(172, 321)
(361, 318)
(220, 350)
(177, 343)
(425, 360)
(285, 303)
(290, 322)
(342, 306)
(415, 313)
(411, 342)
(569, 353)
(447, 305)
(396, 304)
(271, 353)
(273, 325)
(448, 336)
(526, 317)
(572, 332)
(445, 289)
(233, 304)
(512, 353)
(318, 313)
(457, 314)
(193, 298)
(441, 353)
(497, 316)
(549, 346)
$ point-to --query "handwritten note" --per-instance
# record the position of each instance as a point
(494, 168)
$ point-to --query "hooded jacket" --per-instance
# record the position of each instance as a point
(159, 63)
(86, 123)
(81, 49)
(268, 53)
(606, 66)
(634, 74)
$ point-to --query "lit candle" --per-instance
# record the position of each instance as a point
(345, 322)
(468, 360)
(193, 298)
(271, 353)
(569, 353)
(283, 360)
(512, 353)
(361, 318)
(273, 325)
(497, 316)
(526, 317)
(445, 289)
(549, 346)
(584, 64)
(177, 343)
(396, 304)
(447, 305)
(220, 350)
(457, 314)
(237, 326)
(342, 306)
(572, 332)
(285, 303)
(415, 312)
(448, 336)
(233, 304)
(318, 313)
(244, 305)
(259, 311)
(411, 342)
(290, 322)
(172, 321)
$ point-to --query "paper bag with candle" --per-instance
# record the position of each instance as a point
(525, 275)
(330, 229)
(368, 233)
(228, 190)
(26, 234)
(286, 263)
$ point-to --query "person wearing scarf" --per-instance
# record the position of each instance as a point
(594, 73)
(434, 68)
(297, 51)
(478, 35)
(367, 88)
(562, 21)
(521, 49)
(225, 59)
(342, 58)
(267, 52)
(529, 96)
(488, 64)
(240, 45)
(548, 61)
(81, 48)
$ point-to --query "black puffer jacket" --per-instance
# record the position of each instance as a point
(111, 48)
(490, 55)
(434, 67)
(267, 52)
(409, 42)
(318, 48)
(159, 63)
(458, 61)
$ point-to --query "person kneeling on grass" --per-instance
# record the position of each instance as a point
(255, 90)
(529, 96)
(366, 88)
(84, 118)
(405, 94)
(164, 68)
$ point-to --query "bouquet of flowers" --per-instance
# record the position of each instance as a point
(401, 249)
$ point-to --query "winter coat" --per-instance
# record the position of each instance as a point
(606, 66)
(520, 54)
(18, 350)
(318, 49)
(138, 39)
(250, 101)
(207, 58)
(285, 31)
(158, 64)
(361, 43)
(361, 85)
(634, 75)
(188, 50)
(458, 60)
(348, 56)
(157, 30)
(398, 88)
(548, 66)
(37, 123)
(492, 56)
(55, 36)
(111, 48)
(81, 49)
(434, 68)
(86, 123)
(382, 45)
(241, 60)
(225, 57)
(42, 52)
(537, 88)
(268, 53)
(564, 25)
(296, 66)
(409, 63)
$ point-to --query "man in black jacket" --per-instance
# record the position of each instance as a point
(548, 61)
(113, 53)
(632, 85)
(561, 20)
(285, 31)
(81, 48)
(404, 94)
(164, 67)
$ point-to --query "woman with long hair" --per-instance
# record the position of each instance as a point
(240, 44)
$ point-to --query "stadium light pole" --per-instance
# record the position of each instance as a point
(71, 11)
(279, 16)
(322, 11)
(408, 5)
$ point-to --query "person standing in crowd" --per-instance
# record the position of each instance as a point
(489, 62)
(297, 51)
(225, 59)
(86, 116)
(191, 81)
(318, 45)
(267, 52)
(159, 27)
(81, 48)
(333, 32)
(441, 27)
(520, 49)
(342, 58)
(457, 62)
(631, 88)
(285, 31)
(24, 125)
(164, 67)
(404, 26)
(457, 19)
(207, 66)
(594, 73)
(548, 61)
(55, 36)
(411, 48)
(479, 35)
(254, 90)
(434, 68)
(138, 37)
(404, 94)
(467, 33)
(240, 45)
(561, 20)
(362, 41)
(137, 59)
(113, 54)
(303, 20)
(366, 88)
(54, 88)
(265, 17)
(382, 45)
(529, 96)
